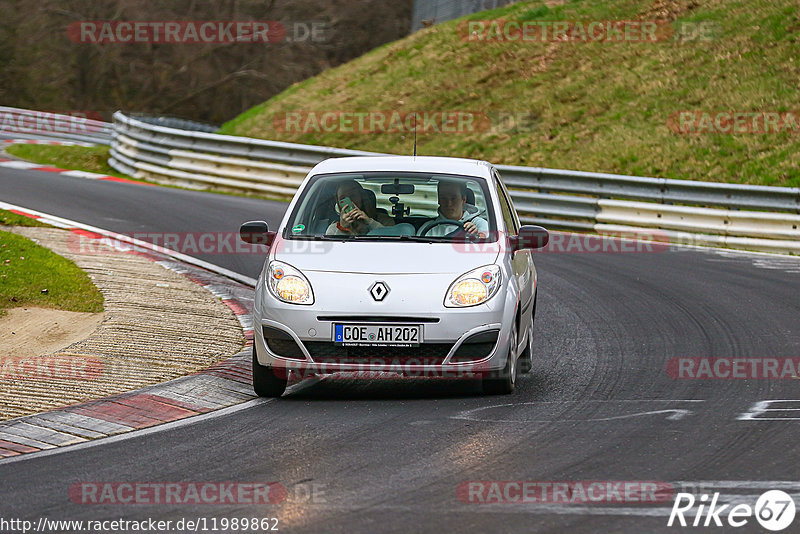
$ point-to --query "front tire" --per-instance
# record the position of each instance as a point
(265, 382)
(503, 382)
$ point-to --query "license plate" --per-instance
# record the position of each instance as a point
(368, 335)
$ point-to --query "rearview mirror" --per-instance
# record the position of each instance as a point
(397, 189)
(256, 233)
(530, 237)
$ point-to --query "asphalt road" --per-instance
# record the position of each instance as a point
(389, 456)
(137, 210)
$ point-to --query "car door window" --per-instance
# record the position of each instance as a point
(514, 213)
(505, 206)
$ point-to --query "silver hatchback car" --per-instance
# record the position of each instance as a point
(396, 265)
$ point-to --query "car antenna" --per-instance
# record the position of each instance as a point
(415, 133)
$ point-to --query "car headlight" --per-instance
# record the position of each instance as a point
(287, 284)
(474, 287)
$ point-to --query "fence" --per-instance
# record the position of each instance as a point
(428, 12)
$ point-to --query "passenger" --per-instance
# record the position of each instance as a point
(453, 206)
(360, 220)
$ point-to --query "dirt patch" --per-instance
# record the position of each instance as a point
(28, 332)
(158, 325)
(669, 10)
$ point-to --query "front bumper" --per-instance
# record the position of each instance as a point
(300, 338)
(476, 352)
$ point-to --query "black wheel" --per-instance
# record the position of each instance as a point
(265, 382)
(504, 381)
(526, 358)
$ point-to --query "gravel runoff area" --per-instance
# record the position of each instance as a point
(158, 325)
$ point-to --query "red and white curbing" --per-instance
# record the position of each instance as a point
(223, 385)
(29, 166)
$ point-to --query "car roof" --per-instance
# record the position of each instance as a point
(427, 164)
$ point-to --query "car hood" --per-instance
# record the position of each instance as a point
(370, 257)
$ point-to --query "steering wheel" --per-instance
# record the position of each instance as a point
(425, 228)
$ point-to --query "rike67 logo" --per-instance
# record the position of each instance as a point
(774, 510)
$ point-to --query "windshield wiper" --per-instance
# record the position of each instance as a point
(414, 238)
(318, 238)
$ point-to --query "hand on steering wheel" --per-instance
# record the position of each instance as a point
(433, 224)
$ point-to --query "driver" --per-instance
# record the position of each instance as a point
(453, 206)
(358, 221)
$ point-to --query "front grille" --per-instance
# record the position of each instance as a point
(425, 354)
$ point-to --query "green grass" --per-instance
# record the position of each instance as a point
(27, 268)
(77, 158)
(591, 106)
(8, 218)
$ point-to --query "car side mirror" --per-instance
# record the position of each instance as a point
(530, 237)
(256, 233)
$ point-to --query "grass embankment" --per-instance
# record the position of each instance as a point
(27, 269)
(593, 106)
(77, 158)
(8, 218)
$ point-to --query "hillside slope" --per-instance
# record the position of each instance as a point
(611, 106)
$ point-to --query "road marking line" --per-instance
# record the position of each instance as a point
(656, 510)
(677, 413)
(14, 164)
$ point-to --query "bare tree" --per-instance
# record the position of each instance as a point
(44, 69)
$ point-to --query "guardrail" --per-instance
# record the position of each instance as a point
(739, 216)
(200, 159)
(27, 124)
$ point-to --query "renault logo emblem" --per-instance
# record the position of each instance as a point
(379, 290)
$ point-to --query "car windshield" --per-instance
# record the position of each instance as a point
(393, 206)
